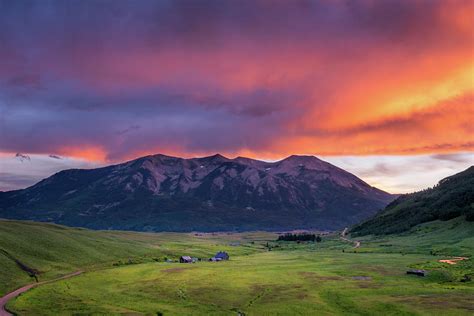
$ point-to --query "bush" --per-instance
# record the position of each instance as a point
(440, 276)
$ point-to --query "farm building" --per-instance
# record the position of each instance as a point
(417, 272)
(221, 255)
(185, 259)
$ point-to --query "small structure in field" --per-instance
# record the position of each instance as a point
(185, 259)
(221, 255)
(418, 272)
(213, 259)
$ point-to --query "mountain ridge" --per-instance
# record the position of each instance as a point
(160, 192)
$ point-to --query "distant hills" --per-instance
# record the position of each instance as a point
(453, 197)
(163, 193)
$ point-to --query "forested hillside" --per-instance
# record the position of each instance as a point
(452, 197)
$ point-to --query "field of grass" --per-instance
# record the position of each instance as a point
(56, 250)
(263, 277)
(454, 237)
(278, 283)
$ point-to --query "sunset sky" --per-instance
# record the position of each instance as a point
(383, 89)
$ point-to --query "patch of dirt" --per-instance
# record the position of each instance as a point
(302, 296)
(316, 277)
(366, 282)
(367, 285)
(463, 302)
(377, 269)
(175, 270)
(453, 260)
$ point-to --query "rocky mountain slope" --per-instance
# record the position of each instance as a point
(163, 193)
(452, 197)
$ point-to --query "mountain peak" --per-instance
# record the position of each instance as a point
(218, 156)
(215, 157)
(161, 192)
(301, 158)
(159, 157)
(309, 162)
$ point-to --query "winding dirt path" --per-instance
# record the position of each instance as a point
(343, 237)
(5, 299)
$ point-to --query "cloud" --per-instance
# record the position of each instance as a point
(16, 175)
(113, 80)
(15, 180)
(129, 129)
(54, 156)
(403, 173)
(457, 158)
(22, 157)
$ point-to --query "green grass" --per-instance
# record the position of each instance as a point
(56, 250)
(454, 237)
(269, 283)
(327, 278)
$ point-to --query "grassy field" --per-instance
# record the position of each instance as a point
(324, 278)
(56, 250)
(277, 282)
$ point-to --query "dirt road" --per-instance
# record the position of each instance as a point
(343, 237)
(5, 299)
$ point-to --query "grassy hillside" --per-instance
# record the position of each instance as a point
(54, 250)
(453, 238)
(453, 197)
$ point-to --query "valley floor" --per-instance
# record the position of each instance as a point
(265, 277)
(270, 283)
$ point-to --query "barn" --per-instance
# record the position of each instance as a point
(185, 259)
(221, 255)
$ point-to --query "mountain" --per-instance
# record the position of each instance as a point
(163, 193)
(452, 197)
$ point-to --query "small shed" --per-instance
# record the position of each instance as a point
(417, 272)
(222, 255)
(185, 259)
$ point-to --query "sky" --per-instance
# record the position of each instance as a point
(383, 89)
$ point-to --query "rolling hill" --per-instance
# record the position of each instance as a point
(163, 193)
(53, 250)
(451, 198)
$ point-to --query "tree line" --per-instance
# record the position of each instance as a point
(299, 237)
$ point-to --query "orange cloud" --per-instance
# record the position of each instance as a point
(86, 152)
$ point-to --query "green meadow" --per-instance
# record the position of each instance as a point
(56, 250)
(126, 273)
